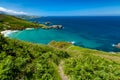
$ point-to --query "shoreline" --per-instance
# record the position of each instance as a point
(6, 33)
(29, 28)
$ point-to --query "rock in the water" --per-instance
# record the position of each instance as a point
(117, 46)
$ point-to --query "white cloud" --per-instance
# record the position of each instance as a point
(12, 11)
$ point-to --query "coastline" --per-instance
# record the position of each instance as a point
(74, 36)
(29, 28)
(7, 32)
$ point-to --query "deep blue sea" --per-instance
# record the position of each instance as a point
(89, 32)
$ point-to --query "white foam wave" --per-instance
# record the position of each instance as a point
(73, 42)
(113, 45)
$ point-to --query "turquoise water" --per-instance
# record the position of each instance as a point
(90, 32)
(45, 36)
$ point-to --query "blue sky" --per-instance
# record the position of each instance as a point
(64, 7)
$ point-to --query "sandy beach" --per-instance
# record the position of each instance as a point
(7, 32)
(29, 29)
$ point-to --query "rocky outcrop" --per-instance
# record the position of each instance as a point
(117, 46)
(56, 26)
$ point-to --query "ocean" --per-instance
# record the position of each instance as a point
(94, 32)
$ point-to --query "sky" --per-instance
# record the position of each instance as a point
(62, 7)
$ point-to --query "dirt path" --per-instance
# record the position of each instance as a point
(61, 71)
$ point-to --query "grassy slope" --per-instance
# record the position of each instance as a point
(23, 60)
(14, 23)
(94, 65)
(87, 64)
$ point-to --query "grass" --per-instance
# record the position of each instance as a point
(14, 23)
(88, 64)
(90, 67)
(23, 60)
(27, 61)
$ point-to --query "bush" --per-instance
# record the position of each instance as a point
(23, 60)
(89, 67)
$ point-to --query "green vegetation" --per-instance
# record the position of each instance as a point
(14, 23)
(28, 61)
(21, 60)
(87, 64)
(90, 67)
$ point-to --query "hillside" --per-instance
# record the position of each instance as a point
(14, 23)
(27, 17)
(21, 60)
(27, 61)
(88, 64)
